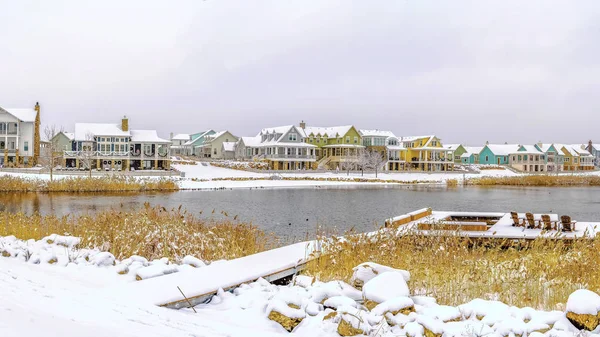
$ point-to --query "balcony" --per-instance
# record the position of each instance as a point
(289, 156)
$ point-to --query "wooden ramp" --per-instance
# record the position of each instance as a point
(201, 284)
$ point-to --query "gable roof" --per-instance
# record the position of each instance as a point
(181, 136)
(98, 129)
(331, 132)
(250, 141)
(453, 147)
(376, 133)
(529, 149)
(25, 115)
(503, 150)
(581, 150)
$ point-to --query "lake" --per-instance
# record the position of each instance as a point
(294, 213)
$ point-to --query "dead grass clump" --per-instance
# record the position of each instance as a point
(455, 270)
(152, 232)
(537, 180)
(452, 182)
(86, 184)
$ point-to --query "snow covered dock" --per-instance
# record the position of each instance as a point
(201, 284)
(485, 225)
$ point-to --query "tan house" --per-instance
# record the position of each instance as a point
(213, 145)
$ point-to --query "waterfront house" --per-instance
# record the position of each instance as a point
(62, 140)
(197, 140)
(388, 146)
(554, 157)
(115, 147)
(212, 144)
(586, 159)
(595, 151)
(458, 151)
(179, 144)
(334, 145)
(282, 147)
(495, 154)
(528, 158)
(18, 128)
(228, 150)
(426, 153)
(471, 155)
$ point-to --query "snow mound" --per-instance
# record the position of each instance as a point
(193, 261)
(383, 287)
(364, 272)
(583, 308)
(403, 305)
(338, 301)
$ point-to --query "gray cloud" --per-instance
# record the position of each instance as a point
(469, 71)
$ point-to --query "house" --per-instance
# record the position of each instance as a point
(116, 147)
(458, 150)
(179, 144)
(528, 158)
(228, 150)
(554, 157)
(586, 159)
(212, 145)
(495, 154)
(247, 148)
(194, 145)
(388, 145)
(334, 145)
(426, 153)
(595, 151)
(19, 136)
(63, 140)
(471, 155)
(283, 147)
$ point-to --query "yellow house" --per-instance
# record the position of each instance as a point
(571, 157)
(426, 153)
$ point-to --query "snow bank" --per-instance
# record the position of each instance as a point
(583, 302)
(364, 272)
(385, 287)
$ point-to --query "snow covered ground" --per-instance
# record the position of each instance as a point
(210, 177)
(88, 297)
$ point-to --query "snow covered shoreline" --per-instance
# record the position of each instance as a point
(91, 298)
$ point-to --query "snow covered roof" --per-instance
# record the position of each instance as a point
(377, 133)
(26, 115)
(98, 129)
(581, 150)
(146, 136)
(504, 149)
(251, 141)
(569, 148)
(70, 135)
(181, 136)
(229, 146)
(452, 147)
(472, 150)
(331, 132)
(396, 147)
(544, 147)
(529, 149)
(413, 138)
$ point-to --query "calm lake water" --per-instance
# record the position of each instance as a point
(296, 213)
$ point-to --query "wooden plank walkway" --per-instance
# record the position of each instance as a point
(201, 284)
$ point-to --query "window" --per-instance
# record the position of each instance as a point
(215, 150)
(487, 158)
(355, 140)
(347, 139)
(26, 146)
(520, 157)
(292, 137)
(310, 140)
(433, 143)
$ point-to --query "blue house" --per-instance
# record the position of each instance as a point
(554, 157)
(471, 155)
(493, 154)
(198, 139)
(595, 151)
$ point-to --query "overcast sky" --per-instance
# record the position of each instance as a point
(468, 71)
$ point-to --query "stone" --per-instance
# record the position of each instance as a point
(346, 329)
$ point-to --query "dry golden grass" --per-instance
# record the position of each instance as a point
(86, 184)
(537, 180)
(452, 182)
(152, 232)
(455, 271)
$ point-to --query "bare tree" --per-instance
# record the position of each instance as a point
(50, 155)
(363, 160)
(87, 153)
(376, 160)
(348, 164)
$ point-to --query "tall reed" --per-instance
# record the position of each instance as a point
(86, 184)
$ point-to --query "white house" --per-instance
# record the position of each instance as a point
(212, 145)
(390, 147)
(284, 147)
(116, 147)
(180, 144)
(17, 135)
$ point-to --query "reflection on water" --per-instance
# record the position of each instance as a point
(295, 212)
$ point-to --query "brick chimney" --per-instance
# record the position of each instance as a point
(590, 146)
(125, 124)
(302, 125)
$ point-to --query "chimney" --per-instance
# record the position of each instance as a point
(37, 107)
(540, 144)
(487, 142)
(590, 146)
(171, 136)
(125, 124)
(302, 125)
